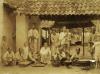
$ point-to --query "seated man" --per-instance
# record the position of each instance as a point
(54, 52)
(45, 54)
(9, 57)
(64, 56)
(75, 56)
(18, 56)
(32, 56)
(56, 60)
(24, 55)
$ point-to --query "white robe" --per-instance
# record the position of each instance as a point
(45, 54)
(25, 52)
(34, 33)
(97, 50)
(8, 56)
(62, 37)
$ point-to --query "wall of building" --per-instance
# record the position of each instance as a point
(9, 26)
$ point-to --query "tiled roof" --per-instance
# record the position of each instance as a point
(56, 7)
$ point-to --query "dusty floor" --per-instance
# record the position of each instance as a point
(46, 70)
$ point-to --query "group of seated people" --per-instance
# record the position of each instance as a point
(44, 56)
(20, 56)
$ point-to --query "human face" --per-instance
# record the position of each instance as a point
(9, 50)
(64, 28)
(26, 44)
(54, 32)
(45, 45)
(78, 50)
(33, 27)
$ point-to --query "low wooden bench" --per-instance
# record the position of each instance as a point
(86, 64)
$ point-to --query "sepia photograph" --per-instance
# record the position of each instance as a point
(49, 36)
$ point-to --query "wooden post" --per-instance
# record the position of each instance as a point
(1, 24)
(21, 30)
(83, 43)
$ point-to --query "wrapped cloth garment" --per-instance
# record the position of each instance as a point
(18, 57)
(97, 50)
(54, 38)
(33, 36)
(34, 33)
(8, 58)
(25, 53)
(3, 48)
(87, 37)
(54, 51)
(45, 55)
(64, 38)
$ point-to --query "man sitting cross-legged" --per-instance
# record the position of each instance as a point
(45, 54)
(9, 57)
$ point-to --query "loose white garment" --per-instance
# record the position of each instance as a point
(62, 37)
(9, 56)
(97, 50)
(30, 33)
(45, 51)
(87, 37)
(25, 52)
(54, 38)
(45, 55)
(34, 33)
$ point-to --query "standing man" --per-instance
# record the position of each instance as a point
(54, 43)
(54, 38)
(33, 36)
(65, 37)
(87, 36)
(96, 46)
(62, 35)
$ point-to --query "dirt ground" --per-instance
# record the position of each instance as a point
(46, 70)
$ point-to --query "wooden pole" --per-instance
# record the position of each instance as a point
(83, 43)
